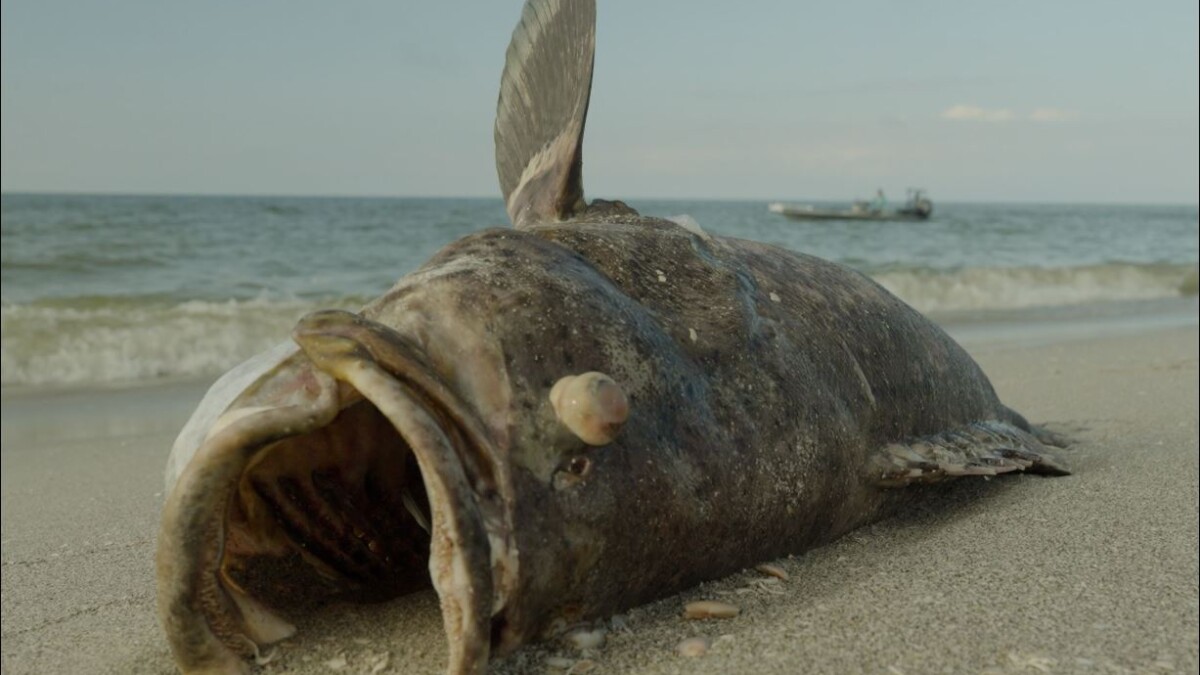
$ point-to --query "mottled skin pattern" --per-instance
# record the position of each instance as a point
(759, 383)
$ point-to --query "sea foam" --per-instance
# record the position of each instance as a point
(109, 342)
(983, 288)
(112, 340)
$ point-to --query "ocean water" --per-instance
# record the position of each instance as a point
(108, 289)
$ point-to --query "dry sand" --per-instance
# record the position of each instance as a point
(1096, 572)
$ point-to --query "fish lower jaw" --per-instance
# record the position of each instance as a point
(348, 472)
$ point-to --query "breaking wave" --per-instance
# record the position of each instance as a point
(992, 288)
(98, 340)
(106, 340)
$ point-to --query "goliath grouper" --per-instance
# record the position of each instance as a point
(558, 421)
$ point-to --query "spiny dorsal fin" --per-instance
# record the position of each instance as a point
(542, 109)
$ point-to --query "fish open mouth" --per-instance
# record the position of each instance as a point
(338, 512)
(350, 471)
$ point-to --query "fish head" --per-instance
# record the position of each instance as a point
(350, 468)
(448, 435)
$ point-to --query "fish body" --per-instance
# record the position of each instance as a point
(763, 387)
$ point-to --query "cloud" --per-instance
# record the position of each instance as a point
(976, 114)
(1052, 115)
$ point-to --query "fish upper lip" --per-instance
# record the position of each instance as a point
(460, 552)
(461, 485)
(487, 471)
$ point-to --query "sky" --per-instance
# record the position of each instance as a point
(1063, 101)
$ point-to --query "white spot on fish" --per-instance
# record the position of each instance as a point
(774, 296)
(662, 277)
(692, 334)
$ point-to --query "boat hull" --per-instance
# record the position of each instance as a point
(816, 214)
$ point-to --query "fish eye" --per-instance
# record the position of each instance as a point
(572, 472)
(579, 466)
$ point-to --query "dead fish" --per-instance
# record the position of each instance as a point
(556, 422)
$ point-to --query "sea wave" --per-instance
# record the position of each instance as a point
(99, 340)
(112, 340)
(995, 288)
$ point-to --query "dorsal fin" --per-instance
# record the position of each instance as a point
(542, 109)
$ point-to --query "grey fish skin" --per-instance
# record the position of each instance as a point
(554, 423)
(761, 384)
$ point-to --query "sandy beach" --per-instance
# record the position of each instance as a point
(1095, 572)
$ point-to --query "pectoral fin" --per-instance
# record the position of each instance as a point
(980, 449)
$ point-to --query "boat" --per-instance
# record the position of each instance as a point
(917, 207)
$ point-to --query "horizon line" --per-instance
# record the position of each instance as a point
(270, 195)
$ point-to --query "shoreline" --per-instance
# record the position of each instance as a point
(1094, 572)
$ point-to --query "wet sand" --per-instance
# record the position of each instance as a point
(1095, 572)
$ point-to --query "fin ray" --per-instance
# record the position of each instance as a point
(542, 109)
(981, 449)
